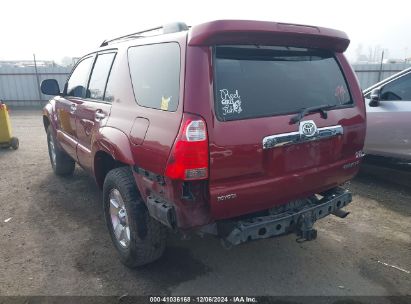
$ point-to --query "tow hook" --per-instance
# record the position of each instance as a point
(305, 229)
(340, 213)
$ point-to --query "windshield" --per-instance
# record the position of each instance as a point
(257, 81)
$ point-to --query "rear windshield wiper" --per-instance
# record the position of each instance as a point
(322, 109)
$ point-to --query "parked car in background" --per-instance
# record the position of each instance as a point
(389, 117)
(240, 129)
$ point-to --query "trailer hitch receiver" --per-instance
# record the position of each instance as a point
(305, 231)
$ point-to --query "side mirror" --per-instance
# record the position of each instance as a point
(375, 97)
(50, 87)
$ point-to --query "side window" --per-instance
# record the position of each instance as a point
(77, 84)
(99, 76)
(399, 89)
(155, 75)
(110, 87)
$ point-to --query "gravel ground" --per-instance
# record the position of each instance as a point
(56, 242)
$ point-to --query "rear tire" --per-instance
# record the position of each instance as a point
(14, 143)
(62, 164)
(141, 239)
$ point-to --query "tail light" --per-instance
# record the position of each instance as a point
(189, 157)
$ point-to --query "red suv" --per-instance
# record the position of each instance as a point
(240, 129)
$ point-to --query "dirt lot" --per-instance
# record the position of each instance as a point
(56, 242)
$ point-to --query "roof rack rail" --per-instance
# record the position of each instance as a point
(164, 29)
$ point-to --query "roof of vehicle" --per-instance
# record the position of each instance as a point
(399, 74)
(244, 31)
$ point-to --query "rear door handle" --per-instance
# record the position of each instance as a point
(99, 115)
(73, 108)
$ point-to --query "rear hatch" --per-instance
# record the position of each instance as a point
(259, 158)
(258, 89)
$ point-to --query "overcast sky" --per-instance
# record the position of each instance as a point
(53, 29)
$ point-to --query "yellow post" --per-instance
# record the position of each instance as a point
(5, 126)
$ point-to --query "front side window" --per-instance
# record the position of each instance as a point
(99, 76)
(155, 75)
(399, 89)
(259, 81)
(77, 84)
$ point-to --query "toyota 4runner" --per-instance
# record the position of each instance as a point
(240, 129)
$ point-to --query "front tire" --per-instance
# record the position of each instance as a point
(138, 238)
(62, 164)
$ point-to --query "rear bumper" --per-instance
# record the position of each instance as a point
(265, 193)
(299, 221)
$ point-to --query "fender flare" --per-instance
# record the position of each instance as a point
(48, 112)
(115, 143)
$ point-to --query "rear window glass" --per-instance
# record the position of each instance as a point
(155, 74)
(257, 81)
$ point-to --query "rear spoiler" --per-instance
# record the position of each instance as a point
(267, 33)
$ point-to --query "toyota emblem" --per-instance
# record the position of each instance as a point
(308, 128)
